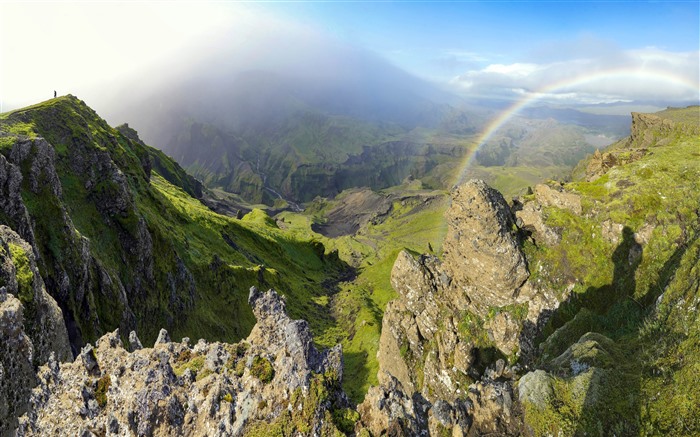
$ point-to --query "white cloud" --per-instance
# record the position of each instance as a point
(642, 74)
(517, 69)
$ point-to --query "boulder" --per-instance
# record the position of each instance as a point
(481, 250)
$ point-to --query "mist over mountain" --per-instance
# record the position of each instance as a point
(234, 88)
(295, 128)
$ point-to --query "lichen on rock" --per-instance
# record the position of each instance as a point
(174, 388)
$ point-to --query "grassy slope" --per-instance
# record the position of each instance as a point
(648, 384)
(180, 226)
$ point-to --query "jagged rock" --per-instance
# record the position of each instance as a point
(211, 389)
(531, 217)
(399, 332)
(163, 337)
(548, 196)
(416, 282)
(481, 251)
(424, 352)
(531, 212)
(387, 409)
(42, 172)
(18, 271)
(419, 331)
(16, 370)
(73, 273)
(134, 342)
(536, 388)
(288, 341)
(11, 203)
(87, 355)
(504, 331)
(493, 409)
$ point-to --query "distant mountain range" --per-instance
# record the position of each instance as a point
(279, 136)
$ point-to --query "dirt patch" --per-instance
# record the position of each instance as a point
(354, 210)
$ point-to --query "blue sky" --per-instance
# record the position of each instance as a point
(418, 35)
(556, 50)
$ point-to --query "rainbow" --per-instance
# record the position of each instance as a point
(494, 125)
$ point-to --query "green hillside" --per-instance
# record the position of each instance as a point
(630, 262)
(121, 243)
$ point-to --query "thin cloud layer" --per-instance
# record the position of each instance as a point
(631, 75)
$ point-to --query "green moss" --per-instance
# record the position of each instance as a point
(595, 402)
(304, 412)
(195, 364)
(23, 272)
(103, 385)
(518, 311)
(345, 419)
(262, 369)
(471, 329)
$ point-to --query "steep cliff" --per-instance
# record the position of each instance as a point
(31, 327)
(448, 340)
(120, 242)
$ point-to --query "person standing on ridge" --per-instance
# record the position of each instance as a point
(54, 94)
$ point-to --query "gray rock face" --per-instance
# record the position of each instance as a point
(44, 324)
(175, 389)
(532, 220)
(430, 335)
(134, 342)
(420, 331)
(536, 388)
(74, 273)
(11, 203)
(288, 341)
(481, 251)
(16, 370)
(30, 334)
(387, 409)
(42, 172)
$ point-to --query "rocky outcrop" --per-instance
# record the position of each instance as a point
(20, 277)
(647, 131)
(17, 375)
(274, 380)
(601, 162)
(31, 327)
(481, 249)
(388, 410)
(74, 276)
(11, 204)
(650, 130)
(438, 372)
(530, 215)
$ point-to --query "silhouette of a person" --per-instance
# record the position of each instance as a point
(626, 257)
(54, 94)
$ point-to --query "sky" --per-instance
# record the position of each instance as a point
(558, 51)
